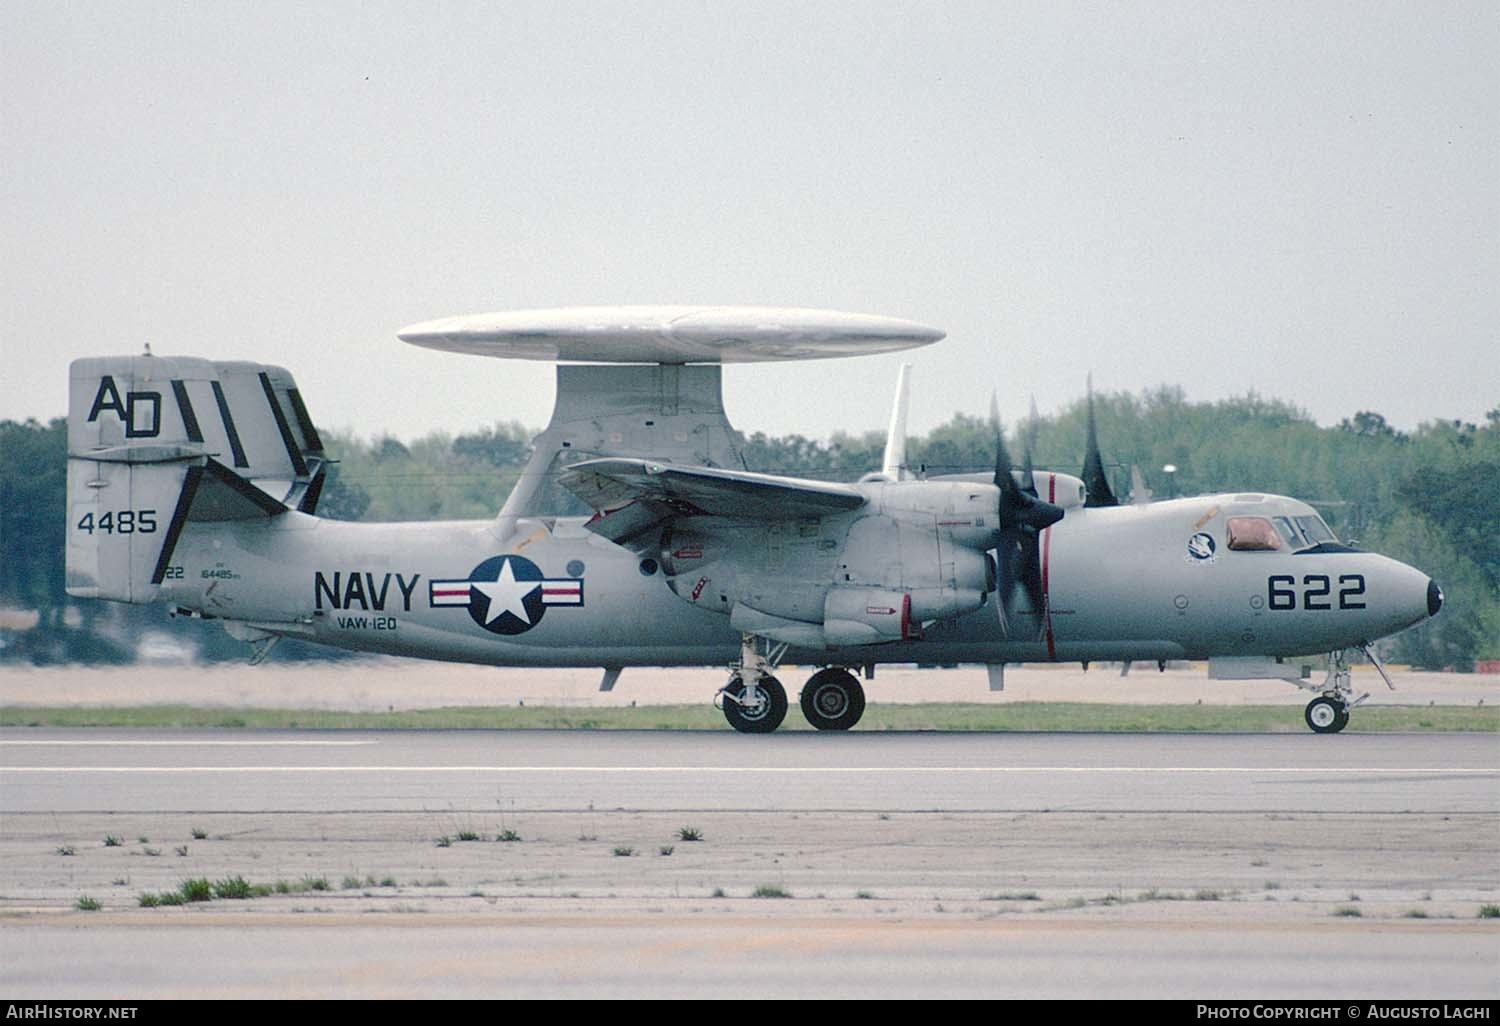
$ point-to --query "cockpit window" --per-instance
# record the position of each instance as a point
(1288, 532)
(1253, 534)
(1317, 532)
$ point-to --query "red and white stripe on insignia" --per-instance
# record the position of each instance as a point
(448, 593)
(562, 592)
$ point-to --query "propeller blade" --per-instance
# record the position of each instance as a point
(1029, 474)
(1094, 478)
(1022, 517)
(1011, 499)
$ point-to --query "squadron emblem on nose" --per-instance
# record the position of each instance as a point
(1201, 545)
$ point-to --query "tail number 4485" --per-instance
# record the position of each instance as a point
(124, 521)
(1316, 591)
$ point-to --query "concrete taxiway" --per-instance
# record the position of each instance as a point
(914, 864)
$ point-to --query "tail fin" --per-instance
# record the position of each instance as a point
(155, 442)
(893, 466)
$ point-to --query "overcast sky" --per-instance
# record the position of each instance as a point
(1300, 199)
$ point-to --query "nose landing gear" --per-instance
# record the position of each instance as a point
(1329, 712)
(1327, 715)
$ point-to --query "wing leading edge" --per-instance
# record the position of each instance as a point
(613, 485)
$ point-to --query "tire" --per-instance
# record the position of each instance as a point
(833, 699)
(762, 720)
(1326, 716)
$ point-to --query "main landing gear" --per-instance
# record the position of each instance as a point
(832, 699)
(755, 701)
(1329, 712)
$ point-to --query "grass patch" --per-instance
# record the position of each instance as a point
(665, 849)
(1207, 894)
(66, 850)
(87, 904)
(864, 895)
(1489, 911)
(198, 888)
(200, 835)
(445, 841)
(1414, 913)
(233, 888)
(954, 716)
(1348, 912)
(467, 835)
(689, 834)
(624, 852)
(770, 891)
(111, 841)
(508, 836)
(1012, 896)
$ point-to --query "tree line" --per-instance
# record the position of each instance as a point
(1429, 497)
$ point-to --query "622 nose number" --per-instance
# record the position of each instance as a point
(1317, 591)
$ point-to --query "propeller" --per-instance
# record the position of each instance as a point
(1094, 479)
(1022, 518)
(1028, 474)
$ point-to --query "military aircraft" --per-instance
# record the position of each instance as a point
(636, 535)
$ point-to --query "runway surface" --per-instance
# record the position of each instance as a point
(309, 771)
(1349, 866)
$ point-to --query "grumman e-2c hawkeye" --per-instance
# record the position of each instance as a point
(196, 483)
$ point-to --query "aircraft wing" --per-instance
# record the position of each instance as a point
(609, 485)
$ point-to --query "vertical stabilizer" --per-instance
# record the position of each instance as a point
(156, 442)
(894, 465)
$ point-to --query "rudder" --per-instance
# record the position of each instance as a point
(156, 442)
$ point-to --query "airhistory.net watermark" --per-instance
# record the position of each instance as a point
(41, 1010)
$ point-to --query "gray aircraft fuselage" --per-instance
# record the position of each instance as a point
(1122, 583)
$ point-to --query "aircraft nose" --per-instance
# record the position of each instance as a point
(1434, 597)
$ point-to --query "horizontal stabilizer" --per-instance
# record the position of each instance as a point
(612, 484)
(215, 494)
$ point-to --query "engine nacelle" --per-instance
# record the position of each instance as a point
(1062, 490)
(863, 580)
(867, 616)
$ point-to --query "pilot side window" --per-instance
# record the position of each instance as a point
(1253, 534)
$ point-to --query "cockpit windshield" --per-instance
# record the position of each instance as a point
(1316, 531)
(1278, 534)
